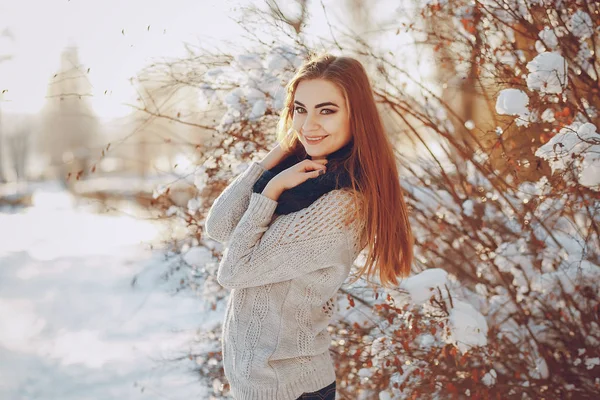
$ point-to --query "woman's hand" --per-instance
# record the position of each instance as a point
(293, 176)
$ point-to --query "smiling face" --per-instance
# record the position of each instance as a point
(320, 111)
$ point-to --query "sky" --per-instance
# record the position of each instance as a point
(117, 38)
(113, 38)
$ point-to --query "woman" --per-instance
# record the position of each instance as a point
(294, 224)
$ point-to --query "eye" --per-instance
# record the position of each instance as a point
(301, 110)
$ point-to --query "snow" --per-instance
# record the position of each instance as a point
(547, 73)
(592, 362)
(421, 286)
(581, 25)
(252, 84)
(385, 395)
(194, 205)
(81, 233)
(575, 145)
(468, 207)
(468, 327)
(549, 38)
(258, 110)
(568, 278)
(245, 101)
(541, 369)
(508, 58)
(200, 178)
(515, 102)
(512, 102)
(197, 256)
(159, 191)
(527, 118)
(233, 98)
(548, 115)
(281, 58)
(489, 379)
(590, 165)
(249, 61)
(378, 347)
(73, 324)
(214, 73)
(583, 59)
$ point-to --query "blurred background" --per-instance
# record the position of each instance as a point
(86, 306)
(121, 121)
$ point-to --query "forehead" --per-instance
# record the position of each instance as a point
(314, 91)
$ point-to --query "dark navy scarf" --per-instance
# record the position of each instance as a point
(303, 195)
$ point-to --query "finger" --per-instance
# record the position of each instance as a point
(308, 165)
(317, 172)
(316, 169)
(313, 172)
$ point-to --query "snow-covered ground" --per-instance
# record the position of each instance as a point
(72, 325)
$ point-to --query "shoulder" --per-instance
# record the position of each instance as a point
(346, 207)
(343, 205)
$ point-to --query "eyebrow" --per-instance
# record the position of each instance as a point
(328, 103)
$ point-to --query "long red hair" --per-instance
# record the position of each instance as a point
(371, 166)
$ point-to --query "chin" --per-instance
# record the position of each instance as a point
(316, 153)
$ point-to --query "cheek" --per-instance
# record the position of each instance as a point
(338, 126)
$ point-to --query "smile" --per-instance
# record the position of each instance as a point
(313, 141)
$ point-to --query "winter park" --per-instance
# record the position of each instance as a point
(159, 241)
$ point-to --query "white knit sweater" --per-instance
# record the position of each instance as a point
(284, 272)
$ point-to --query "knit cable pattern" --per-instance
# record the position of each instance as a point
(292, 245)
(284, 272)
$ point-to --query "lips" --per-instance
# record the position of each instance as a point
(309, 141)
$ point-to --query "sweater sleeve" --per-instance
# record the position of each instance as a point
(229, 206)
(292, 245)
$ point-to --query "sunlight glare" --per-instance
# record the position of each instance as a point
(53, 228)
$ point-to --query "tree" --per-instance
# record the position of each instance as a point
(501, 174)
(7, 40)
(19, 144)
(69, 125)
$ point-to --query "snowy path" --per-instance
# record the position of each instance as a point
(71, 324)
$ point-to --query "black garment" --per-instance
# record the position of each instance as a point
(303, 195)
(327, 393)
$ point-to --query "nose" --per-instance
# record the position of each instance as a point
(310, 124)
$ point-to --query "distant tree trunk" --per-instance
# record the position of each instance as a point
(69, 123)
(19, 149)
(2, 178)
